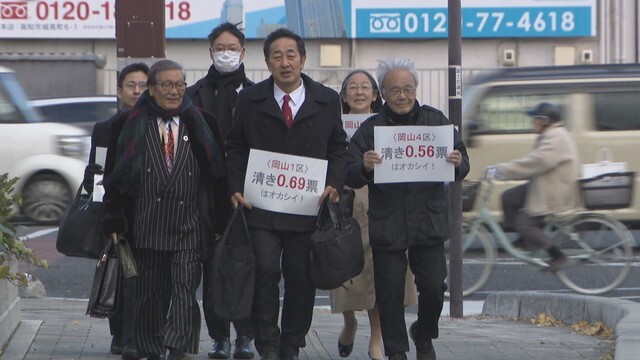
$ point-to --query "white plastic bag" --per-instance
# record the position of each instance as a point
(603, 165)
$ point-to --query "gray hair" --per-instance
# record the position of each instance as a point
(387, 65)
(163, 65)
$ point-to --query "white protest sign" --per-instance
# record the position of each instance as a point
(351, 123)
(284, 183)
(98, 188)
(413, 153)
(101, 155)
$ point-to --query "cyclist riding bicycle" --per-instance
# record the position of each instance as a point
(552, 168)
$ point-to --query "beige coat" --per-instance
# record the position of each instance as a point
(552, 168)
(359, 292)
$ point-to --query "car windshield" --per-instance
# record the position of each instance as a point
(14, 106)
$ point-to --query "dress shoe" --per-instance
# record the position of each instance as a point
(424, 348)
(345, 350)
(398, 356)
(557, 264)
(177, 354)
(290, 357)
(130, 353)
(243, 348)
(155, 357)
(270, 355)
(371, 357)
(221, 349)
(116, 346)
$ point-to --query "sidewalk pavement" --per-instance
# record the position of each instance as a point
(55, 328)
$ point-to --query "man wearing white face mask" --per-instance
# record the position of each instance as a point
(217, 92)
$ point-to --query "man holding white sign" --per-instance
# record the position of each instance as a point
(287, 114)
(408, 206)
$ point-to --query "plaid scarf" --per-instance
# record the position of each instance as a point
(131, 147)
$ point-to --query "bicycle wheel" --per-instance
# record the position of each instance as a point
(600, 249)
(478, 257)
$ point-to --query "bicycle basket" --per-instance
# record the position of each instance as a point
(608, 191)
(469, 194)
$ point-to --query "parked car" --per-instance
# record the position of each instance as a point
(82, 111)
(48, 158)
(600, 107)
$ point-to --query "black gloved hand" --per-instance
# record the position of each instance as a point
(89, 172)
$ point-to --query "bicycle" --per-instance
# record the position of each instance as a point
(596, 244)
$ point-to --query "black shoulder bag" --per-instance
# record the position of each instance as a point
(80, 233)
(234, 271)
(336, 248)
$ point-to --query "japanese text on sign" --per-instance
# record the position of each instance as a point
(413, 153)
(351, 123)
(284, 183)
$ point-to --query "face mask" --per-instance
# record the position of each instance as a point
(226, 62)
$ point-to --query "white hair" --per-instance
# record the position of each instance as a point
(384, 66)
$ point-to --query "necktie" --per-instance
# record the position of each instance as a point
(287, 114)
(168, 148)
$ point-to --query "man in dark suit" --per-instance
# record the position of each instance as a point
(288, 113)
(217, 92)
(132, 81)
(165, 191)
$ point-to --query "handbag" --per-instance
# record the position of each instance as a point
(234, 271)
(80, 233)
(347, 196)
(103, 301)
(336, 248)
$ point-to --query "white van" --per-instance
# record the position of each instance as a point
(600, 107)
(48, 158)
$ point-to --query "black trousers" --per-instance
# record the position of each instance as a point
(121, 323)
(219, 328)
(286, 254)
(530, 228)
(428, 264)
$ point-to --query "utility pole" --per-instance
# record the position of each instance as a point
(455, 116)
(140, 31)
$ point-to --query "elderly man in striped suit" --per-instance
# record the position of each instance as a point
(165, 191)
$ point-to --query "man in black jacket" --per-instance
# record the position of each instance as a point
(403, 216)
(288, 113)
(132, 81)
(217, 92)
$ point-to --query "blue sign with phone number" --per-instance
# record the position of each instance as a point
(476, 22)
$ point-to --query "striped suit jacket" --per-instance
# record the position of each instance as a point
(167, 216)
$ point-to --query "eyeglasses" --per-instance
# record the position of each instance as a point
(539, 117)
(168, 85)
(230, 52)
(132, 85)
(396, 91)
(355, 87)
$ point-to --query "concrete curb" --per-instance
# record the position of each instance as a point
(618, 314)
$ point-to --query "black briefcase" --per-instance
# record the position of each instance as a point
(336, 248)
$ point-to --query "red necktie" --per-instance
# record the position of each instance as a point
(168, 150)
(286, 111)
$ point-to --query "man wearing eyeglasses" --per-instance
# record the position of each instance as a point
(403, 216)
(165, 192)
(217, 92)
(132, 81)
